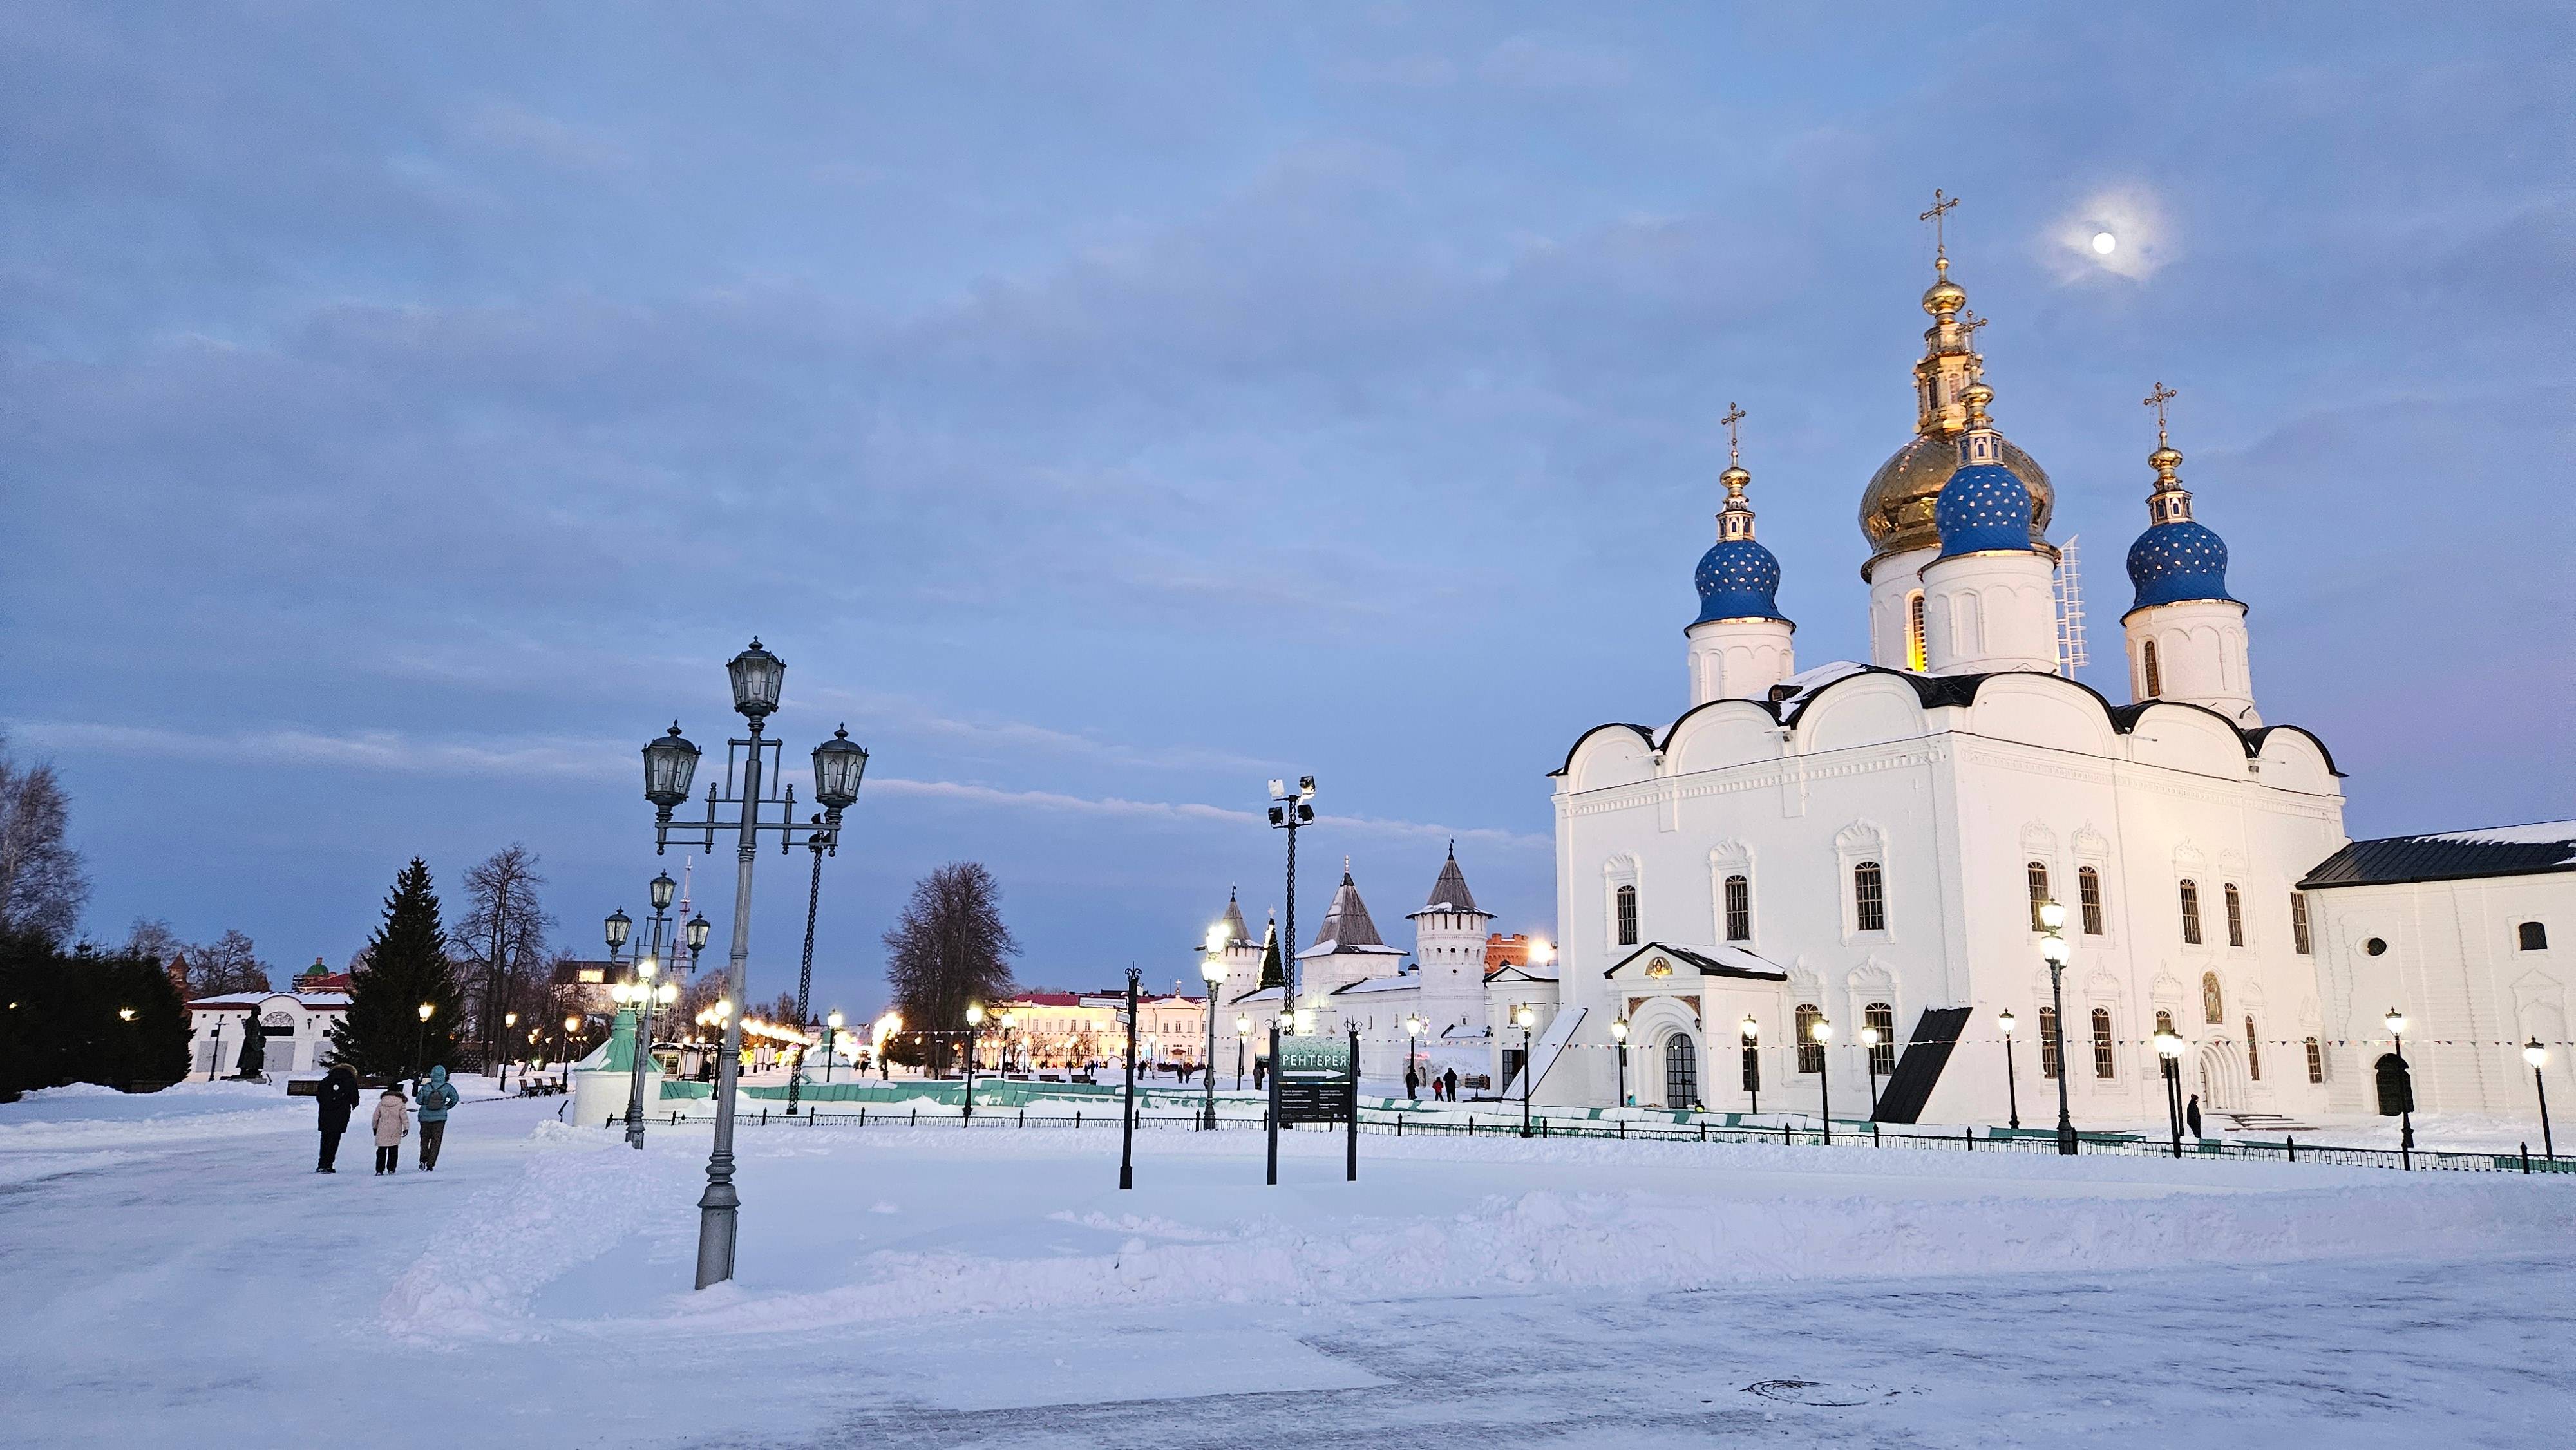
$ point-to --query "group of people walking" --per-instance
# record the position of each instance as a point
(338, 1098)
(1443, 1085)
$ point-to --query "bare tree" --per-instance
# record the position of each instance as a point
(42, 888)
(204, 969)
(950, 947)
(504, 934)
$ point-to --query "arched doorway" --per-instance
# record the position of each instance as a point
(2222, 1078)
(1681, 1071)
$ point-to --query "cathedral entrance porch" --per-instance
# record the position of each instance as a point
(2223, 1086)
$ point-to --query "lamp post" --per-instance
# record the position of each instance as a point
(1212, 972)
(1752, 1040)
(670, 762)
(838, 764)
(2396, 1021)
(1525, 1017)
(215, 1050)
(2054, 951)
(974, 1019)
(2169, 1067)
(1242, 1030)
(1869, 1040)
(1290, 810)
(641, 995)
(510, 1026)
(831, 1034)
(2538, 1057)
(1619, 1035)
(572, 1022)
(2012, 1091)
(420, 1042)
(1822, 1031)
(1413, 1025)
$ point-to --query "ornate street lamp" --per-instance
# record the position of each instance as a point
(1869, 1057)
(1821, 1031)
(974, 1019)
(2538, 1057)
(1525, 1017)
(1242, 1030)
(670, 764)
(1619, 1035)
(832, 1026)
(2169, 1067)
(838, 765)
(2012, 1091)
(1751, 1036)
(641, 995)
(2054, 951)
(2396, 1021)
(1212, 972)
(509, 1024)
(420, 1043)
(1413, 1025)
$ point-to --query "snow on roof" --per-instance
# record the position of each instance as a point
(2542, 846)
(1716, 961)
(2553, 833)
(1403, 982)
(1449, 893)
(1347, 927)
(309, 1001)
(1798, 687)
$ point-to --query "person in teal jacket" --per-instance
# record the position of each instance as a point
(436, 1097)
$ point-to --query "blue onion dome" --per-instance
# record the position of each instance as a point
(2178, 558)
(1985, 507)
(1737, 577)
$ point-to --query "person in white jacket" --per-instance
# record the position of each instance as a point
(393, 1124)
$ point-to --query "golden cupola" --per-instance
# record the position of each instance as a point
(1896, 509)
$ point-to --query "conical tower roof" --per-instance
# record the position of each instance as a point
(1232, 921)
(1450, 893)
(1347, 927)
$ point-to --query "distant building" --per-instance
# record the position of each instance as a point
(297, 1026)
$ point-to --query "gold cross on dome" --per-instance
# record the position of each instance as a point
(1734, 415)
(1941, 207)
(2157, 400)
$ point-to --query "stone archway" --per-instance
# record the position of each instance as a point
(2222, 1084)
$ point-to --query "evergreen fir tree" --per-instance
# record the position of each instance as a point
(381, 1035)
(1271, 973)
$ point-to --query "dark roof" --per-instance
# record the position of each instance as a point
(1450, 892)
(1347, 927)
(2450, 856)
(1714, 962)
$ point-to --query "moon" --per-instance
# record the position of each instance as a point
(2104, 244)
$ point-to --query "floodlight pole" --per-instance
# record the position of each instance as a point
(1127, 1114)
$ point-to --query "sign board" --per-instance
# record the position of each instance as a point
(1314, 1078)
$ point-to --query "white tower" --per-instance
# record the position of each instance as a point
(1990, 598)
(2187, 638)
(1739, 645)
(1449, 950)
(1240, 956)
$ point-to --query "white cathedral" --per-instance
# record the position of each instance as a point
(1866, 847)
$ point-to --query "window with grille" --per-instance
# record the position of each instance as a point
(1882, 1054)
(2213, 1006)
(2037, 874)
(2048, 1042)
(2253, 1052)
(1811, 1053)
(2235, 916)
(2535, 936)
(2316, 1062)
(2164, 1020)
(2299, 922)
(2088, 894)
(2155, 680)
(1915, 659)
(1739, 909)
(1627, 916)
(2191, 911)
(2102, 1063)
(1869, 897)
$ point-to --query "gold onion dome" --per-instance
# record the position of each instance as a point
(1896, 508)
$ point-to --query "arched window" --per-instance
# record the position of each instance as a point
(2235, 916)
(2316, 1062)
(2088, 894)
(2253, 1052)
(1739, 909)
(1681, 1072)
(2213, 1007)
(2534, 935)
(1627, 916)
(1915, 659)
(2102, 1063)
(2164, 1020)
(2191, 911)
(1869, 897)
(1883, 1017)
(2299, 922)
(1811, 1053)
(2036, 873)
(2048, 1043)
(2155, 678)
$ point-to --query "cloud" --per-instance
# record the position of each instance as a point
(1548, 63)
(2143, 237)
(1416, 72)
(510, 126)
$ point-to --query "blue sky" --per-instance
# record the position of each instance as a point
(1104, 409)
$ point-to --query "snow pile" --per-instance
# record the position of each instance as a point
(88, 1115)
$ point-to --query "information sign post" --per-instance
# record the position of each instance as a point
(1315, 1079)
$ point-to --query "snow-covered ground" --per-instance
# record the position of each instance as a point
(176, 1274)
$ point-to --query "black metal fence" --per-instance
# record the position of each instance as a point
(1868, 1135)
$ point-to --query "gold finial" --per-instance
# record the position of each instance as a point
(1940, 211)
(1977, 395)
(1734, 415)
(2157, 400)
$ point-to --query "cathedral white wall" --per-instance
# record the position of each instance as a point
(1989, 612)
(1954, 804)
(1739, 659)
(1893, 583)
(2453, 963)
(2203, 656)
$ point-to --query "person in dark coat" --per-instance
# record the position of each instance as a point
(337, 1098)
(1449, 1080)
(2191, 1115)
(1412, 1083)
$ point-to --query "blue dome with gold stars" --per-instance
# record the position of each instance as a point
(2179, 561)
(1737, 579)
(1983, 507)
